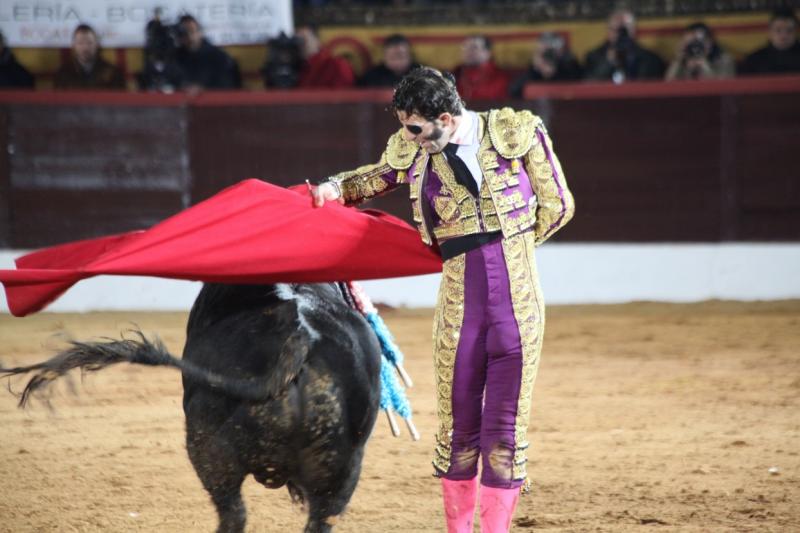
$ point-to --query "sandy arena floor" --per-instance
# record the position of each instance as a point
(646, 417)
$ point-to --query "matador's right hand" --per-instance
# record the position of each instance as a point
(326, 192)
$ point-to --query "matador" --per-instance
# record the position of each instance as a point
(486, 189)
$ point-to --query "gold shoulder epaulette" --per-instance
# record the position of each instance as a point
(400, 153)
(512, 132)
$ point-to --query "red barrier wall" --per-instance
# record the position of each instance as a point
(685, 161)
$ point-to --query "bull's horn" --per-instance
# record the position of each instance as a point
(412, 429)
(392, 423)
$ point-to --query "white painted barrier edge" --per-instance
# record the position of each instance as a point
(570, 274)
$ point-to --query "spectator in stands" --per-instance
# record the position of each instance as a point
(203, 65)
(621, 57)
(782, 53)
(398, 60)
(478, 77)
(551, 61)
(281, 70)
(86, 69)
(12, 74)
(321, 69)
(700, 57)
(160, 72)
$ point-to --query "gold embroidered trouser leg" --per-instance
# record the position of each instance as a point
(487, 338)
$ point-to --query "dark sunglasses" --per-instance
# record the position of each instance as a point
(413, 128)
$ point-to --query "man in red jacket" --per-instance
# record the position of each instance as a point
(321, 69)
(478, 77)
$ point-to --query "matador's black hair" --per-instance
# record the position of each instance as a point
(428, 93)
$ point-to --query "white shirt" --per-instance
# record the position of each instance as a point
(466, 137)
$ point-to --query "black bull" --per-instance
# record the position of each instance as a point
(280, 381)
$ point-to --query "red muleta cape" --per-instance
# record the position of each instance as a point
(252, 232)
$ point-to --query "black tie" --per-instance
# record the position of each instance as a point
(462, 173)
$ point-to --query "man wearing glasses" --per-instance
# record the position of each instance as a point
(486, 189)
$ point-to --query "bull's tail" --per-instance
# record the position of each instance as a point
(94, 356)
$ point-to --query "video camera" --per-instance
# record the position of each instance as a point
(162, 40)
(160, 72)
(284, 60)
(625, 42)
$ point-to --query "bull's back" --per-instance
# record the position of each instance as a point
(243, 332)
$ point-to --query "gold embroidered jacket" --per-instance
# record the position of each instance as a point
(523, 187)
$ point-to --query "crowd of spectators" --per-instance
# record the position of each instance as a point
(180, 57)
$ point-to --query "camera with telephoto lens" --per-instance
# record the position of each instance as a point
(550, 55)
(162, 40)
(161, 72)
(552, 45)
(284, 60)
(624, 42)
(695, 49)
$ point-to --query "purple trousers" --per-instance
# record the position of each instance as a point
(487, 337)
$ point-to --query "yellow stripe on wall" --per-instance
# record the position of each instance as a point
(440, 46)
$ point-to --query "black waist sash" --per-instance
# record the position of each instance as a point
(461, 245)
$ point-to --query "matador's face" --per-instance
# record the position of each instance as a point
(431, 135)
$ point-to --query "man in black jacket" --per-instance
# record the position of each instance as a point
(12, 74)
(86, 69)
(782, 53)
(551, 61)
(621, 58)
(398, 60)
(203, 65)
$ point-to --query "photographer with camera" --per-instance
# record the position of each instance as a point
(203, 65)
(551, 61)
(321, 69)
(301, 61)
(621, 58)
(160, 72)
(284, 61)
(699, 57)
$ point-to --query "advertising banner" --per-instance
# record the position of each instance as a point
(121, 23)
